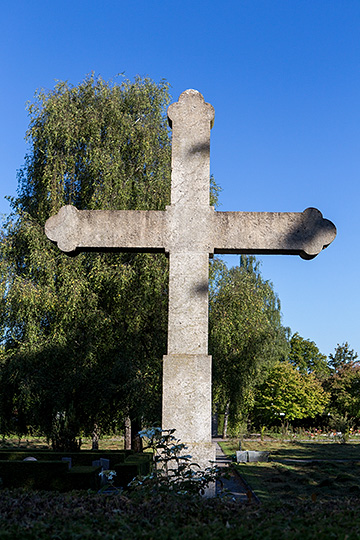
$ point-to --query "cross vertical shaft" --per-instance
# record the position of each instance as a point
(191, 119)
(187, 366)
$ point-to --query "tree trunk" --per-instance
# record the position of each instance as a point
(136, 442)
(95, 436)
(215, 422)
(127, 434)
(226, 418)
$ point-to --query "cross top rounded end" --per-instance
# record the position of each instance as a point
(191, 102)
(191, 92)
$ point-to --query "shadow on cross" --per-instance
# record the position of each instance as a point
(201, 288)
(201, 147)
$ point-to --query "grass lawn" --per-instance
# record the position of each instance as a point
(301, 470)
(297, 449)
(113, 442)
(302, 482)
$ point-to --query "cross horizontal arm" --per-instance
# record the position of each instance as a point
(75, 229)
(294, 233)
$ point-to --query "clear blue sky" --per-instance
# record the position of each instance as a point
(284, 78)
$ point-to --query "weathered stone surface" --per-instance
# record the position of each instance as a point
(241, 456)
(292, 233)
(121, 229)
(187, 367)
(254, 455)
(187, 403)
(188, 301)
(188, 378)
(189, 230)
(191, 120)
(192, 229)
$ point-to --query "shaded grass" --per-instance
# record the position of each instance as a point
(36, 515)
(301, 471)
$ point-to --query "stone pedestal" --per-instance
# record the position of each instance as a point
(187, 403)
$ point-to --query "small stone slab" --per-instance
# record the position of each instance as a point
(241, 456)
(254, 455)
(67, 460)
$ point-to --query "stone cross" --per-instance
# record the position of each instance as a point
(188, 231)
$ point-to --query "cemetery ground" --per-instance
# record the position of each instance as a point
(310, 488)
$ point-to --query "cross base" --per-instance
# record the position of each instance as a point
(187, 404)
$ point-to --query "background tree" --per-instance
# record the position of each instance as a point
(344, 387)
(306, 357)
(84, 337)
(287, 394)
(343, 356)
(245, 333)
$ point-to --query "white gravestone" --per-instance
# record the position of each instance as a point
(190, 230)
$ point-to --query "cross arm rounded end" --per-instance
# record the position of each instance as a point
(318, 233)
(61, 228)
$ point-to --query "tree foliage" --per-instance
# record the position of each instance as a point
(342, 357)
(287, 394)
(344, 387)
(344, 383)
(84, 337)
(306, 357)
(245, 332)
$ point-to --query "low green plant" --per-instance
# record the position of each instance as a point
(108, 477)
(172, 471)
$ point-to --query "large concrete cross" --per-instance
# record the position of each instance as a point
(188, 231)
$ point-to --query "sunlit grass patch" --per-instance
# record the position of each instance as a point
(301, 481)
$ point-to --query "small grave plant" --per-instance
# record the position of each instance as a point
(173, 471)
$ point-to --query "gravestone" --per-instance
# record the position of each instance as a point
(241, 456)
(105, 464)
(190, 230)
(67, 460)
(254, 455)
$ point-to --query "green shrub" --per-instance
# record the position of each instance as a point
(45, 475)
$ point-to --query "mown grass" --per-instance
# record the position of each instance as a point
(301, 470)
(297, 449)
(113, 442)
(311, 481)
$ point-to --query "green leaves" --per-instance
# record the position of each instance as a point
(305, 355)
(343, 356)
(344, 383)
(245, 331)
(286, 394)
(97, 145)
(85, 336)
